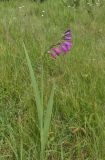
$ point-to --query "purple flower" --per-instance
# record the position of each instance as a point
(64, 48)
(53, 55)
(67, 38)
(57, 51)
(68, 44)
(67, 33)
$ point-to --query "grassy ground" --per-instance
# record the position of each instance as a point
(77, 129)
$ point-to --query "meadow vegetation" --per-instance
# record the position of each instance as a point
(77, 130)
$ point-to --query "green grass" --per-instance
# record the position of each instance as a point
(77, 130)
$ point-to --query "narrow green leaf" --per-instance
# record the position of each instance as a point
(48, 114)
(35, 89)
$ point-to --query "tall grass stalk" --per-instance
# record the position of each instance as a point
(44, 122)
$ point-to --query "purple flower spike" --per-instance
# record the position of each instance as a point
(64, 48)
(67, 38)
(57, 51)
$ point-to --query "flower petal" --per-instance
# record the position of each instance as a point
(64, 48)
(67, 33)
(57, 51)
(67, 38)
(68, 44)
(53, 55)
